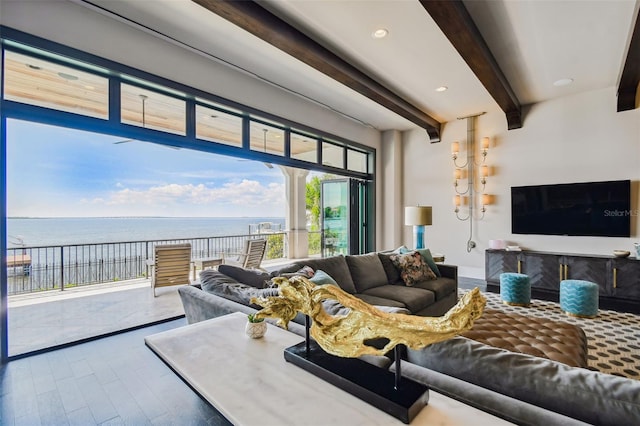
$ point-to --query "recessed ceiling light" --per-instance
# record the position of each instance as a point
(380, 33)
(563, 82)
(441, 88)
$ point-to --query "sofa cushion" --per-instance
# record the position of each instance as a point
(217, 283)
(393, 275)
(321, 277)
(253, 277)
(366, 271)
(442, 287)
(335, 308)
(413, 298)
(426, 253)
(590, 396)
(412, 267)
(336, 267)
(379, 301)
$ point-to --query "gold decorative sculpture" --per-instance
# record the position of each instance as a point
(345, 335)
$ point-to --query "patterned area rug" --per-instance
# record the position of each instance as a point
(613, 337)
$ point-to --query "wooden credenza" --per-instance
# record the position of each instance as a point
(618, 278)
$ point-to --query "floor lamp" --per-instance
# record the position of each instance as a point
(418, 217)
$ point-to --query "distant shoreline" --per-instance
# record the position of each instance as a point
(56, 231)
(145, 217)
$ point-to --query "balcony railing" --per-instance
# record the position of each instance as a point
(33, 269)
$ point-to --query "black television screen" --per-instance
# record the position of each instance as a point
(601, 209)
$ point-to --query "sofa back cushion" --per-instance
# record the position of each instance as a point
(366, 271)
(253, 277)
(222, 285)
(336, 267)
(393, 275)
(590, 396)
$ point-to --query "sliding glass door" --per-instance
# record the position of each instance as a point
(345, 217)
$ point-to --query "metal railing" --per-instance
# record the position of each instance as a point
(33, 269)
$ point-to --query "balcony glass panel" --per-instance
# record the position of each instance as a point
(217, 126)
(152, 110)
(304, 148)
(265, 138)
(47, 84)
(332, 155)
(356, 161)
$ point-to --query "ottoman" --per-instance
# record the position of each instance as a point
(515, 289)
(579, 298)
(541, 337)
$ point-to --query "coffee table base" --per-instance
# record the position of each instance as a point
(363, 380)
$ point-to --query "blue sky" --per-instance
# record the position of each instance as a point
(58, 172)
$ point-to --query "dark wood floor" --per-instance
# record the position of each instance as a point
(116, 380)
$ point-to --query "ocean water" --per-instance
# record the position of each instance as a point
(38, 232)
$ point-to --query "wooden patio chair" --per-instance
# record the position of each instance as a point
(171, 265)
(251, 258)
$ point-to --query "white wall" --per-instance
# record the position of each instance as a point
(579, 138)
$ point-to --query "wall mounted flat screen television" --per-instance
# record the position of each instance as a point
(601, 209)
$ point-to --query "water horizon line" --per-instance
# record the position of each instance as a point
(145, 217)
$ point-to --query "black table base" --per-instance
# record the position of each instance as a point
(374, 385)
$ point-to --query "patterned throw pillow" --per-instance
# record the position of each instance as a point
(413, 268)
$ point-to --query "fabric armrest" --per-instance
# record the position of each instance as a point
(448, 271)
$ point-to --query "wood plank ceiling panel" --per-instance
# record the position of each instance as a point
(253, 18)
(455, 22)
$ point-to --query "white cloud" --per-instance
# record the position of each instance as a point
(245, 193)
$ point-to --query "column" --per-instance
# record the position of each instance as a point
(296, 213)
(392, 211)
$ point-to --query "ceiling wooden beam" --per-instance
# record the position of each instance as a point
(630, 76)
(252, 17)
(456, 24)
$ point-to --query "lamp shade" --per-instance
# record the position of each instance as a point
(420, 215)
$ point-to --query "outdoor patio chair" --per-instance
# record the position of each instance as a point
(252, 256)
(171, 265)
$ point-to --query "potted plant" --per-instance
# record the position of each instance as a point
(256, 327)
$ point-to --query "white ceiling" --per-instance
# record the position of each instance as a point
(535, 43)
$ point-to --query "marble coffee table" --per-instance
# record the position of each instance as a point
(250, 383)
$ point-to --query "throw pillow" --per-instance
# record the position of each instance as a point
(413, 268)
(306, 271)
(321, 277)
(393, 275)
(426, 253)
(253, 277)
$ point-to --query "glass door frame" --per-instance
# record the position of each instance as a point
(360, 210)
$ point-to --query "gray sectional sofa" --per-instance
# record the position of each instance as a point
(521, 388)
(370, 277)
